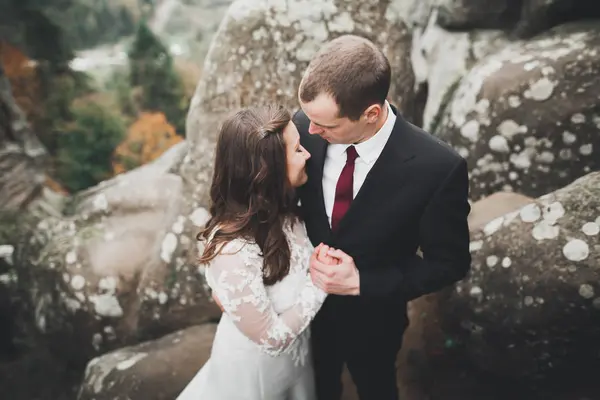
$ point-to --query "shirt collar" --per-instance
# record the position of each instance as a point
(370, 149)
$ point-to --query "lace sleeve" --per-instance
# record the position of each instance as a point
(240, 289)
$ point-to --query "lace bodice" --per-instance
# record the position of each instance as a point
(272, 317)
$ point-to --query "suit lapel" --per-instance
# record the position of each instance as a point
(318, 151)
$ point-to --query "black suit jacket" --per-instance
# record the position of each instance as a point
(415, 196)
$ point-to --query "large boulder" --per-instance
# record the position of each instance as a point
(531, 306)
(540, 15)
(260, 52)
(441, 58)
(114, 271)
(477, 14)
(527, 117)
(523, 18)
(426, 354)
(157, 370)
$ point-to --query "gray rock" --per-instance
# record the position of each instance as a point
(540, 15)
(22, 161)
(524, 18)
(116, 270)
(531, 304)
(527, 117)
(157, 370)
(441, 58)
(477, 14)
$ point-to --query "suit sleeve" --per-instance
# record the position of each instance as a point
(444, 242)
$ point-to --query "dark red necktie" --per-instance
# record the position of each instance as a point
(344, 190)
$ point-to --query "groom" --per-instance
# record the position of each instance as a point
(378, 189)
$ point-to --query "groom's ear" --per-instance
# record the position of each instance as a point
(372, 113)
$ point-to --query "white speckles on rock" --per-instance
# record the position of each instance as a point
(578, 118)
(576, 250)
(97, 341)
(491, 261)
(100, 202)
(499, 144)
(71, 257)
(530, 213)
(162, 298)
(591, 228)
(169, 245)
(568, 137)
(553, 212)
(342, 22)
(530, 66)
(540, 90)
(6, 251)
(199, 216)
(492, 226)
(110, 333)
(514, 101)
(475, 245)
(470, 130)
(77, 282)
(528, 301)
(106, 305)
(506, 262)
(108, 284)
(177, 227)
(545, 157)
(586, 149)
(71, 304)
(510, 128)
(544, 230)
(565, 154)
(123, 365)
(586, 291)
(476, 291)
(522, 160)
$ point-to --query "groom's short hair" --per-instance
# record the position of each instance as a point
(353, 71)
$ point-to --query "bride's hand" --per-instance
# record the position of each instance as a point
(322, 253)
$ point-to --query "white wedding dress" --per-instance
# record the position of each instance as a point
(261, 350)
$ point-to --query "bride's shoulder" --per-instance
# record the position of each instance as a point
(239, 248)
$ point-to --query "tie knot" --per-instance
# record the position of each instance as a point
(351, 154)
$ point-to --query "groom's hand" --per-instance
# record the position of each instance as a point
(341, 278)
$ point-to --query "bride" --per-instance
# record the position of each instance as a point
(257, 255)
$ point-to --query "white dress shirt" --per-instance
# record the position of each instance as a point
(368, 152)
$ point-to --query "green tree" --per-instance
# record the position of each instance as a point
(86, 146)
(151, 68)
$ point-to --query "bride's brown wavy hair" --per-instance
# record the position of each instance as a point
(250, 195)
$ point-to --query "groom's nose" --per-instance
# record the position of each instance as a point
(314, 129)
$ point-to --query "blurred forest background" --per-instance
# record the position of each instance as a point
(105, 84)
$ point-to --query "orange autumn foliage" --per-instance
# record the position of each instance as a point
(147, 138)
(23, 78)
(55, 186)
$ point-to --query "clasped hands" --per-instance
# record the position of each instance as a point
(334, 271)
(331, 270)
